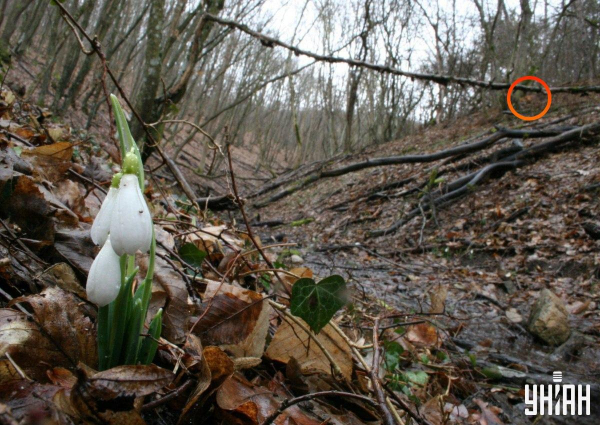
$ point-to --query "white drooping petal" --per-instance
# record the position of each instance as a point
(101, 225)
(131, 223)
(104, 279)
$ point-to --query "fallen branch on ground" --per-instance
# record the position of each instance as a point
(464, 184)
(443, 80)
(217, 203)
(466, 148)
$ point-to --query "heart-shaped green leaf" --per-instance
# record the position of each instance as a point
(192, 255)
(316, 303)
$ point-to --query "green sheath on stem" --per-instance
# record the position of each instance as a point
(120, 311)
(150, 343)
(133, 334)
(103, 331)
(125, 138)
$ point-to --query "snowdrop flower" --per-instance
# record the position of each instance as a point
(131, 223)
(104, 279)
(101, 225)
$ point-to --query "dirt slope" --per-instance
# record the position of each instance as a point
(494, 250)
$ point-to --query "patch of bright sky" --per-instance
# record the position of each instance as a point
(288, 17)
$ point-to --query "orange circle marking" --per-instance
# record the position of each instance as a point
(523, 117)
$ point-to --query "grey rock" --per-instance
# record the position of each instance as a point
(296, 259)
(549, 319)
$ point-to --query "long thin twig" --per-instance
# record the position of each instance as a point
(415, 415)
(179, 390)
(240, 204)
(24, 247)
(292, 401)
(444, 80)
(280, 307)
(88, 180)
(196, 126)
(106, 70)
(366, 367)
(388, 419)
(79, 40)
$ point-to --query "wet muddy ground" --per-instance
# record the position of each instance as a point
(476, 317)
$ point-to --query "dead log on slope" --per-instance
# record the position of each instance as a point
(463, 149)
(465, 184)
(379, 191)
(217, 203)
(296, 174)
(459, 187)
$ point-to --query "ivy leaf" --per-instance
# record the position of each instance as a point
(316, 303)
(192, 255)
(416, 377)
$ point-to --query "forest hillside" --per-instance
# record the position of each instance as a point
(316, 212)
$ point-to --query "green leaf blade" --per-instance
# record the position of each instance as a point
(316, 303)
(192, 255)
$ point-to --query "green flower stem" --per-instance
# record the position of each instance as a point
(103, 331)
(144, 292)
(130, 264)
(133, 334)
(111, 331)
(150, 343)
(142, 296)
(120, 310)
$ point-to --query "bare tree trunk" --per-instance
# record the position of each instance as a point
(354, 81)
(151, 73)
(33, 19)
(108, 12)
(149, 106)
(18, 7)
(522, 42)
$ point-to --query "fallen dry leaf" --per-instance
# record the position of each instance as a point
(28, 400)
(109, 396)
(59, 150)
(76, 247)
(290, 341)
(57, 334)
(34, 208)
(424, 334)
(210, 238)
(50, 162)
(212, 367)
(438, 295)
(233, 318)
(513, 315)
(63, 276)
(129, 380)
(243, 403)
(71, 194)
(488, 416)
(172, 289)
(432, 410)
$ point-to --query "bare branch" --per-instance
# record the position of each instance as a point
(443, 80)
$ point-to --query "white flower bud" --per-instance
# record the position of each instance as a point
(131, 223)
(104, 279)
(101, 225)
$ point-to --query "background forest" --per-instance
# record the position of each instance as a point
(290, 109)
(298, 212)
